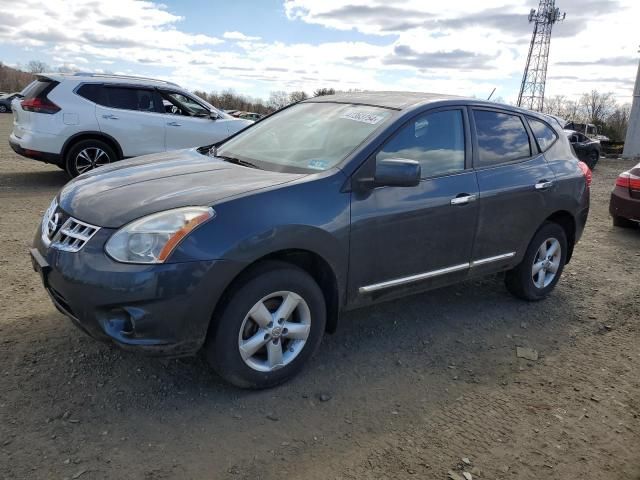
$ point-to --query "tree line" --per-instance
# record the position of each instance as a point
(595, 107)
(599, 108)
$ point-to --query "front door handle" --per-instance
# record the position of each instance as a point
(174, 124)
(110, 117)
(543, 184)
(462, 199)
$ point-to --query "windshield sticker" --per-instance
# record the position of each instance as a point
(362, 116)
(318, 164)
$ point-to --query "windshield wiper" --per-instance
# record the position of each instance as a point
(237, 161)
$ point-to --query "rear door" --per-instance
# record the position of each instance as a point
(189, 123)
(516, 187)
(417, 237)
(131, 115)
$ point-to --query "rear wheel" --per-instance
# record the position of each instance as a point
(87, 155)
(624, 222)
(268, 328)
(3, 109)
(542, 265)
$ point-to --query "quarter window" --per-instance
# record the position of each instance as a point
(543, 133)
(435, 140)
(501, 137)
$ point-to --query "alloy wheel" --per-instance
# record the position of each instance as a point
(275, 331)
(90, 158)
(546, 263)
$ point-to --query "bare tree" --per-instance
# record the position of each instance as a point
(597, 106)
(319, 92)
(278, 99)
(36, 66)
(297, 96)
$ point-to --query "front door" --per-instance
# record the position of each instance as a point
(417, 237)
(189, 124)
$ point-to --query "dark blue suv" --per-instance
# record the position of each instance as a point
(250, 249)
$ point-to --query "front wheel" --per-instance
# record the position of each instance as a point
(542, 265)
(3, 109)
(593, 158)
(268, 328)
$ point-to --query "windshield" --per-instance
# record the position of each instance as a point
(306, 137)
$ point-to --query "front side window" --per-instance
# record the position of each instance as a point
(130, 99)
(543, 133)
(178, 104)
(306, 137)
(435, 140)
(501, 137)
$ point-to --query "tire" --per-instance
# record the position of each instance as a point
(3, 109)
(267, 286)
(593, 158)
(624, 222)
(76, 163)
(520, 281)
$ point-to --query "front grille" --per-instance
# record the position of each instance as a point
(73, 235)
(63, 232)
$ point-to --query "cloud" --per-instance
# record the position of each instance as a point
(238, 36)
(605, 62)
(462, 59)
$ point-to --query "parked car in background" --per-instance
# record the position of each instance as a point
(624, 205)
(83, 121)
(252, 248)
(587, 149)
(5, 101)
(250, 116)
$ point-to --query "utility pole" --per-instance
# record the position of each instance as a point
(632, 141)
(535, 73)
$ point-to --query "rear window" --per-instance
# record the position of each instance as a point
(501, 137)
(544, 133)
(38, 88)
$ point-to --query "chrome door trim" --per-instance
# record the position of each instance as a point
(413, 278)
(497, 258)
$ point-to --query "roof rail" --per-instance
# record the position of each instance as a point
(130, 77)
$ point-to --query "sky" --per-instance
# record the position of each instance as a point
(463, 47)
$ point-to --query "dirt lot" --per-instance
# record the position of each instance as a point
(408, 388)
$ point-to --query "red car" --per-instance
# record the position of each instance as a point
(624, 206)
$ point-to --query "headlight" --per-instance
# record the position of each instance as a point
(151, 239)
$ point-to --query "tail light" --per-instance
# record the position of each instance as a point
(587, 172)
(628, 180)
(40, 105)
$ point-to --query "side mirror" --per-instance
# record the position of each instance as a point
(214, 115)
(397, 172)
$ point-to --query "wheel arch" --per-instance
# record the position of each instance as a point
(310, 262)
(91, 135)
(568, 224)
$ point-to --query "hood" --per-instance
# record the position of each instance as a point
(119, 193)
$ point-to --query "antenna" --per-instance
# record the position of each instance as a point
(491, 94)
(531, 94)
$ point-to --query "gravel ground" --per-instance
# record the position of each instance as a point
(406, 389)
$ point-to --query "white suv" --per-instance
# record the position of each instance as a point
(82, 121)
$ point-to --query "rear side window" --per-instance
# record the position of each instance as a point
(131, 99)
(435, 140)
(502, 137)
(544, 133)
(93, 92)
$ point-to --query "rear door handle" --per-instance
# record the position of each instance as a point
(110, 117)
(462, 199)
(174, 124)
(543, 184)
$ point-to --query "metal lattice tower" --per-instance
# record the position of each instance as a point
(535, 73)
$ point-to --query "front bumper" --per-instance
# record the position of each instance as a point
(161, 309)
(622, 204)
